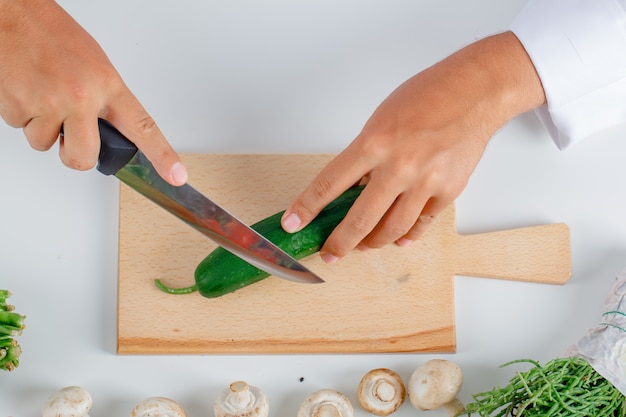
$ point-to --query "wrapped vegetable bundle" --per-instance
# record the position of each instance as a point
(11, 325)
(590, 380)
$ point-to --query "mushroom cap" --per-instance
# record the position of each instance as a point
(71, 401)
(326, 403)
(434, 384)
(381, 391)
(158, 407)
(241, 400)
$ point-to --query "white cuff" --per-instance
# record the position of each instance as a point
(578, 48)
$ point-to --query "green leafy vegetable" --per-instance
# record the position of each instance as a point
(11, 325)
(563, 387)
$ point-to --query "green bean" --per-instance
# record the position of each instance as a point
(11, 325)
(10, 361)
(7, 341)
(12, 320)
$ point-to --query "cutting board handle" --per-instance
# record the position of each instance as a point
(534, 254)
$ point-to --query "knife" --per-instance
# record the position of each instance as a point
(120, 157)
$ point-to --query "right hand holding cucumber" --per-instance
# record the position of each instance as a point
(419, 148)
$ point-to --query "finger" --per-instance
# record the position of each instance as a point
(42, 132)
(361, 219)
(433, 208)
(397, 221)
(132, 120)
(325, 187)
(14, 117)
(80, 143)
(13, 109)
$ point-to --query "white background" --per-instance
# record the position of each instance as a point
(289, 77)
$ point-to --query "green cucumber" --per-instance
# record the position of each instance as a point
(221, 272)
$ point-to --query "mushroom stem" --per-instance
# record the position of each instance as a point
(327, 410)
(239, 400)
(381, 391)
(239, 395)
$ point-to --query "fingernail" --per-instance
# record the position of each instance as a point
(291, 223)
(363, 248)
(179, 173)
(328, 258)
(402, 242)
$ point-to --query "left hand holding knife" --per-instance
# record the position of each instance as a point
(57, 83)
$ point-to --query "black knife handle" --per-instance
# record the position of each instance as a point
(115, 149)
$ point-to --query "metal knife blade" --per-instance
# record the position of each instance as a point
(120, 157)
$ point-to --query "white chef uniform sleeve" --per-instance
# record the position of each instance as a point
(578, 48)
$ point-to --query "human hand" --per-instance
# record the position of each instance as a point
(53, 74)
(419, 148)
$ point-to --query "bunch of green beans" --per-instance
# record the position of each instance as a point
(563, 387)
(11, 325)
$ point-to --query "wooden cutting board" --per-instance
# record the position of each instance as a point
(387, 300)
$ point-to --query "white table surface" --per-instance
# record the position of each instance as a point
(303, 77)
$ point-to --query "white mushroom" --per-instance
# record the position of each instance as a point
(241, 400)
(381, 391)
(326, 403)
(436, 384)
(70, 401)
(158, 407)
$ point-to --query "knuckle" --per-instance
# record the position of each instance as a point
(146, 125)
(104, 80)
(383, 237)
(426, 219)
(358, 224)
(79, 93)
(374, 145)
(432, 180)
(321, 187)
(108, 79)
(347, 235)
(307, 204)
(395, 231)
(146, 130)
(304, 211)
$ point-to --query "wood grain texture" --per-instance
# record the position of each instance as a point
(388, 300)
